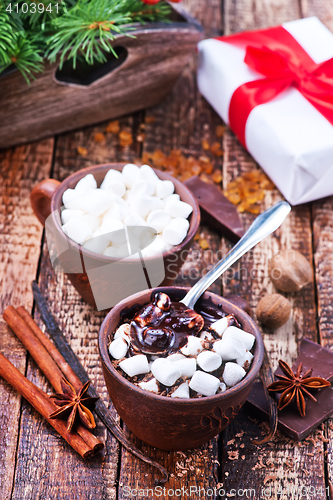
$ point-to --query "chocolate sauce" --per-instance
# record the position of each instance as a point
(157, 331)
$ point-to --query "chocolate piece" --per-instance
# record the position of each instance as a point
(240, 302)
(157, 331)
(314, 356)
(216, 210)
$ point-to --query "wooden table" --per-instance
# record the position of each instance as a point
(35, 463)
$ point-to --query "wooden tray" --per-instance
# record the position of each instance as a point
(58, 101)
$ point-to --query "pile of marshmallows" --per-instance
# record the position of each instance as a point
(194, 361)
(96, 217)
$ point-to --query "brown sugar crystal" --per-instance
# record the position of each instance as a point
(248, 190)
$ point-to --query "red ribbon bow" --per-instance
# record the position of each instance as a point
(278, 56)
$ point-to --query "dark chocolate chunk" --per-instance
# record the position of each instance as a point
(314, 356)
(216, 210)
(157, 331)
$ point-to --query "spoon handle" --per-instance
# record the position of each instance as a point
(265, 224)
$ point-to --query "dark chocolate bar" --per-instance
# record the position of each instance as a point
(216, 210)
(314, 356)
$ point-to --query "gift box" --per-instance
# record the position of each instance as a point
(274, 87)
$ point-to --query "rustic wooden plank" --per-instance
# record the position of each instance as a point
(181, 122)
(322, 247)
(210, 15)
(255, 14)
(96, 478)
(322, 215)
(20, 237)
(282, 465)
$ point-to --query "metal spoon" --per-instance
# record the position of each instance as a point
(265, 224)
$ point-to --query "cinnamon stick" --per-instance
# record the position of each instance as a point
(44, 405)
(51, 349)
(50, 369)
(31, 337)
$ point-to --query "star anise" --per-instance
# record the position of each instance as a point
(73, 405)
(294, 385)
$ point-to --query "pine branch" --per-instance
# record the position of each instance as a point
(44, 11)
(25, 55)
(85, 28)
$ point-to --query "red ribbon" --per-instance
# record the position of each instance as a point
(280, 58)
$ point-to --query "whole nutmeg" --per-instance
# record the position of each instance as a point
(273, 310)
(290, 271)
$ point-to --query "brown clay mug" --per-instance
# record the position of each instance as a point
(46, 200)
(170, 423)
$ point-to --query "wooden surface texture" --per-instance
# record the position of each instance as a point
(35, 463)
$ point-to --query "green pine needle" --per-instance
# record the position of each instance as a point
(82, 28)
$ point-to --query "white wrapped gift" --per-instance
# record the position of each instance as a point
(291, 134)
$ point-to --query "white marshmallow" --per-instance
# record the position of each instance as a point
(110, 177)
(130, 175)
(157, 247)
(150, 386)
(117, 187)
(118, 348)
(147, 237)
(136, 365)
(92, 221)
(114, 230)
(142, 187)
(134, 220)
(157, 203)
(206, 336)
(158, 219)
(97, 244)
(229, 349)
(86, 183)
(192, 347)
(175, 232)
(141, 206)
(233, 373)
(164, 188)
(220, 326)
(209, 361)
(96, 202)
(123, 332)
(68, 214)
(133, 241)
(127, 196)
(117, 211)
(72, 199)
(232, 332)
(187, 366)
(110, 252)
(204, 383)
(165, 371)
(170, 198)
(223, 387)
(179, 209)
(123, 251)
(176, 357)
(120, 200)
(245, 361)
(182, 391)
(77, 230)
(147, 173)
